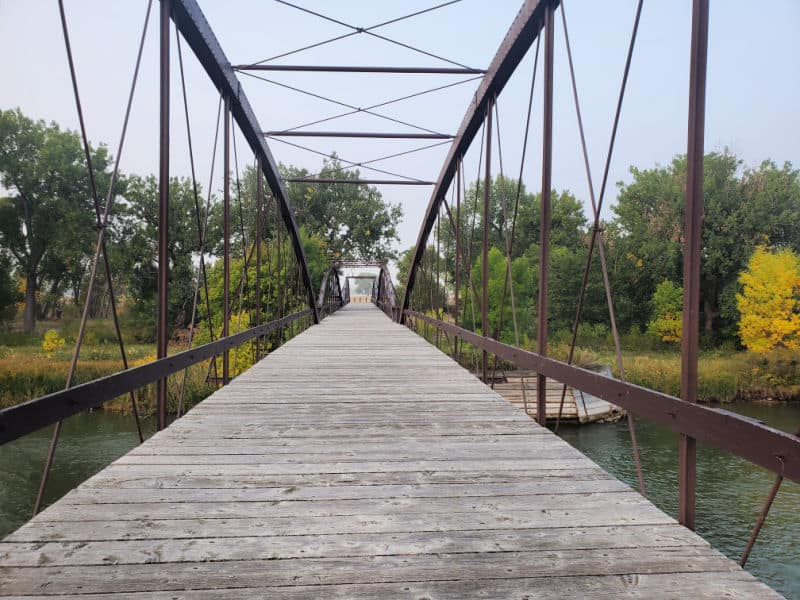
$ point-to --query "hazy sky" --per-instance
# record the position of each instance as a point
(753, 82)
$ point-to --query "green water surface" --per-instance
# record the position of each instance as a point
(730, 491)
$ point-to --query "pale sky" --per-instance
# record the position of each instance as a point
(753, 82)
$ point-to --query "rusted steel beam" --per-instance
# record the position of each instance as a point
(226, 236)
(195, 29)
(34, 414)
(458, 253)
(741, 436)
(360, 134)
(515, 44)
(693, 232)
(259, 210)
(361, 69)
(487, 196)
(358, 181)
(162, 333)
(544, 213)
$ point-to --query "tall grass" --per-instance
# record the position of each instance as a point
(27, 371)
(724, 375)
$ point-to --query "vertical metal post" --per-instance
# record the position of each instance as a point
(163, 212)
(259, 202)
(438, 306)
(487, 184)
(458, 255)
(687, 468)
(544, 216)
(226, 235)
(279, 279)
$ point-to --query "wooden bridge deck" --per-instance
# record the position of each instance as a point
(358, 461)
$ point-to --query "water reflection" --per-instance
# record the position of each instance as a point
(88, 442)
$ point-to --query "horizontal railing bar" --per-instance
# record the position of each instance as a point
(363, 69)
(360, 263)
(360, 134)
(29, 416)
(741, 436)
(358, 181)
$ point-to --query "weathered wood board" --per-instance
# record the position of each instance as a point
(577, 407)
(357, 461)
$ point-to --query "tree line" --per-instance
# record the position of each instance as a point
(48, 228)
(751, 214)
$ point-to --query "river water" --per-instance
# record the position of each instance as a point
(730, 492)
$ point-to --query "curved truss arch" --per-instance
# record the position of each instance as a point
(191, 22)
(520, 37)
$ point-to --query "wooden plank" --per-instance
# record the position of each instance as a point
(493, 505)
(468, 567)
(105, 479)
(530, 489)
(357, 461)
(702, 586)
(22, 554)
(200, 527)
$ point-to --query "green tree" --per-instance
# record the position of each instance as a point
(136, 249)
(50, 208)
(650, 212)
(569, 222)
(772, 205)
(742, 209)
(770, 300)
(524, 281)
(354, 221)
(667, 321)
(9, 296)
(427, 294)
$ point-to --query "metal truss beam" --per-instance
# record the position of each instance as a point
(519, 38)
(360, 134)
(356, 69)
(194, 27)
(359, 181)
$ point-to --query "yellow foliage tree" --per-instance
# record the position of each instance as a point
(769, 304)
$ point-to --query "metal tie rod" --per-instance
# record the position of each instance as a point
(360, 134)
(357, 69)
(359, 181)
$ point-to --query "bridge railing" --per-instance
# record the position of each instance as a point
(274, 298)
(384, 295)
(447, 286)
(332, 296)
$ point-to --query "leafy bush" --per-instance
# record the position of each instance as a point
(139, 325)
(667, 322)
(98, 331)
(52, 342)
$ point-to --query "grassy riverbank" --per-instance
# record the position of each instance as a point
(724, 375)
(28, 371)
